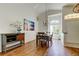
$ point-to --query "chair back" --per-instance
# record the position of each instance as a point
(40, 35)
(51, 36)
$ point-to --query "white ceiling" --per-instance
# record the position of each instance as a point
(38, 7)
(42, 7)
(55, 6)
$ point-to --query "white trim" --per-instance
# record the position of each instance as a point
(55, 14)
(74, 45)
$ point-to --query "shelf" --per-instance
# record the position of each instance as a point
(11, 37)
(9, 41)
(12, 43)
(11, 47)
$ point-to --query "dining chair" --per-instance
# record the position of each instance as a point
(50, 38)
(42, 39)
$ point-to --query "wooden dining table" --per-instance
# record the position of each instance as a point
(42, 37)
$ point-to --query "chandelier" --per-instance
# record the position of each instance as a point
(76, 8)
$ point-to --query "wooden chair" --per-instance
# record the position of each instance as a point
(50, 38)
(42, 38)
(39, 37)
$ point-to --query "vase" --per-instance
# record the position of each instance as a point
(18, 30)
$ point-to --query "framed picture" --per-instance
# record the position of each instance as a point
(29, 25)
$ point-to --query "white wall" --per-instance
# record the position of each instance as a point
(73, 31)
(41, 19)
(71, 26)
(10, 13)
(41, 26)
(0, 44)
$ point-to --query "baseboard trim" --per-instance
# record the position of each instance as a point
(29, 41)
(74, 45)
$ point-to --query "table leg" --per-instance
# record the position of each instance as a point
(36, 42)
(48, 43)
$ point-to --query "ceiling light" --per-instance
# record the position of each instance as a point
(71, 16)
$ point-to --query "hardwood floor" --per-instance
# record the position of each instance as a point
(57, 49)
(30, 49)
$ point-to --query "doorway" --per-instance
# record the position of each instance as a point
(55, 29)
(55, 26)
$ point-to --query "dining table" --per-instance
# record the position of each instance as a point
(42, 37)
